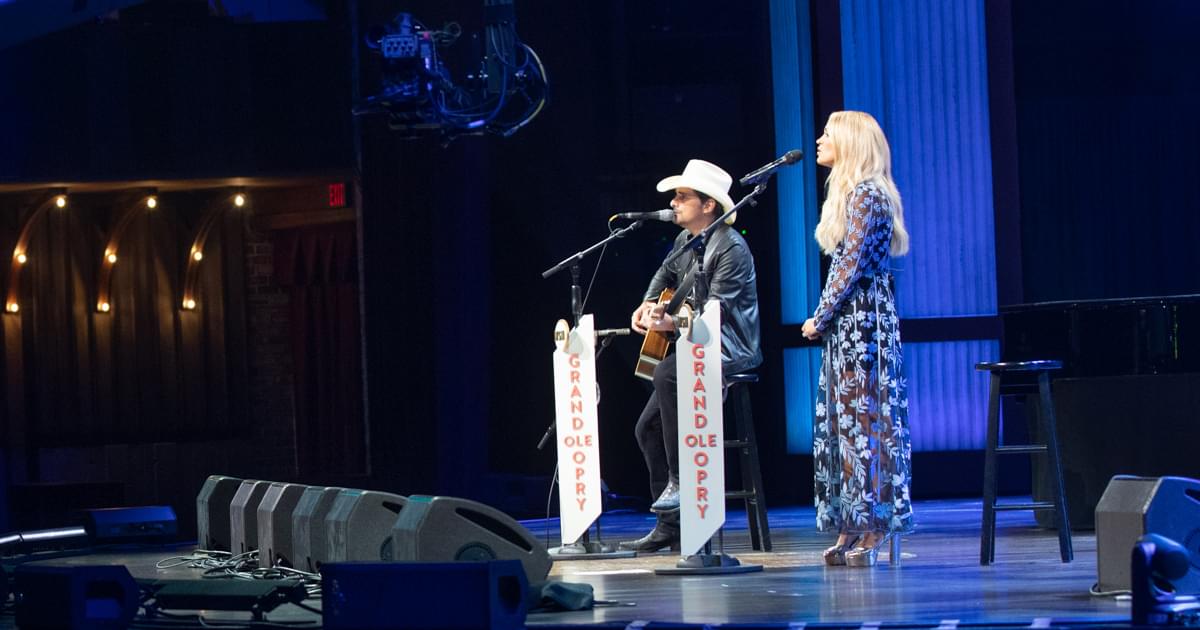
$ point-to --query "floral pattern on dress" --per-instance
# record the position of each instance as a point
(861, 446)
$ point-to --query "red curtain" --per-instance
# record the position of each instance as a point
(319, 268)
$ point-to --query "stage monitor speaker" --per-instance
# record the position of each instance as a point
(275, 544)
(308, 527)
(212, 512)
(359, 525)
(243, 515)
(83, 596)
(458, 595)
(1134, 506)
(148, 524)
(444, 529)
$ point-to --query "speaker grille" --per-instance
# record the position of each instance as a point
(496, 527)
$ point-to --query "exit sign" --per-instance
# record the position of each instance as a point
(337, 195)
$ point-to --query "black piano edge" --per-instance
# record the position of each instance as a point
(1129, 302)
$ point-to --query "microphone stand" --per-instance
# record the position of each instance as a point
(705, 561)
(572, 262)
(586, 548)
(698, 242)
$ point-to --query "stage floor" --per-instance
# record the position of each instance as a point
(939, 580)
(939, 577)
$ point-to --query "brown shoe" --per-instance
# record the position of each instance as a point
(659, 538)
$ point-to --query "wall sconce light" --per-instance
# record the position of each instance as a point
(56, 197)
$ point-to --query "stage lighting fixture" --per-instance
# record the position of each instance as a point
(1157, 563)
(422, 98)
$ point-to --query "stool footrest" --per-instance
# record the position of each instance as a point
(1021, 448)
(741, 494)
(736, 443)
(1040, 505)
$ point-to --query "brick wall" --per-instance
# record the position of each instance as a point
(270, 354)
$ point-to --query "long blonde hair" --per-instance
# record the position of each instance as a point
(861, 155)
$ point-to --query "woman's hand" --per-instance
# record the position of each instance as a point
(809, 330)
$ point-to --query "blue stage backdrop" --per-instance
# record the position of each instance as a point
(921, 70)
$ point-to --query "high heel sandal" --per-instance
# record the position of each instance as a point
(835, 556)
(866, 556)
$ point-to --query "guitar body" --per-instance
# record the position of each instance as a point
(655, 345)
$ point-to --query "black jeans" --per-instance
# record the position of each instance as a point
(659, 440)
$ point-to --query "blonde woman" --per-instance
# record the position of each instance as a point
(861, 445)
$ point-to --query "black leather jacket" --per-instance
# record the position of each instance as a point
(730, 268)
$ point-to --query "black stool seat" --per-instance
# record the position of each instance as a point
(1046, 420)
(1018, 366)
(737, 404)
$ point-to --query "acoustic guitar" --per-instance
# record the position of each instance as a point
(656, 344)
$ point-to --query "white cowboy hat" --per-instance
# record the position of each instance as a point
(704, 177)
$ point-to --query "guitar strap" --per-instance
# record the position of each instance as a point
(684, 290)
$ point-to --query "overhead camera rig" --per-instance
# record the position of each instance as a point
(420, 95)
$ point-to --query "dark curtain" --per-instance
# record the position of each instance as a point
(146, 371)
(319, 267)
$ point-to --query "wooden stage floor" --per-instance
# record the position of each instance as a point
(939, 578)
(939, 582)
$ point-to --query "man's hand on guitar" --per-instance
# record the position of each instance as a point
(658, 319)
(640, 321)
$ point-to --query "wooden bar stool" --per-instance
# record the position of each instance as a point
(737, 406)
(1042, 369)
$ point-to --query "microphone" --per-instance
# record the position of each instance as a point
(608, 332)
(791, 157)
(657, 215)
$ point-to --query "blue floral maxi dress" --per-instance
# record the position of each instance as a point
(862, 451)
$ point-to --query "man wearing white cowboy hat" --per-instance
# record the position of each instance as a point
(701, 196)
